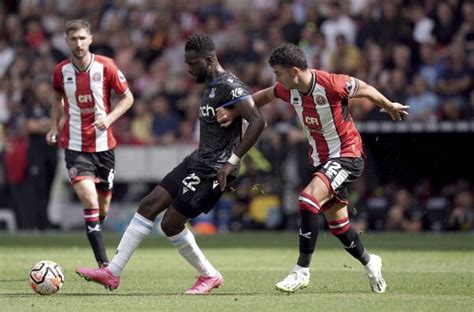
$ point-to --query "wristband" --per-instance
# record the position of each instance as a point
(234, 159)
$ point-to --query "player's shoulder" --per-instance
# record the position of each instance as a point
(328, 79)
(230, 80)
(105, 60)
(60, 65)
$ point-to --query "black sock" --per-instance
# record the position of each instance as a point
(94, 234)
(101, 219)
(354, 246)
(308, 236)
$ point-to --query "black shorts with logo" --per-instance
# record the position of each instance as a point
(339, 173)
(99, 165)
(194, 190)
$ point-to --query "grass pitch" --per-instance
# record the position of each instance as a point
(424, 272)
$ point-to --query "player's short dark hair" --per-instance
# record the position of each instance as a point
(288, 55)
(76, 24)
(201, 43)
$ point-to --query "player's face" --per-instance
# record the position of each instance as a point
(198, 66)
(79, 42)
(287, 76)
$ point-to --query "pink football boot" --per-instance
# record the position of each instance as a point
(100, 276)
(205, 284)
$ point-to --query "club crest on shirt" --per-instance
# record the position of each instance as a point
(96, 77)
(320, 100)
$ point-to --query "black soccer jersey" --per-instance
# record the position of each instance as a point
(216, 143)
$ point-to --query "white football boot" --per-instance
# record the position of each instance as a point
(374, 271)
(298, 278)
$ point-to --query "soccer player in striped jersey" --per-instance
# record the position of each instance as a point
(81, 118)
(320, 100)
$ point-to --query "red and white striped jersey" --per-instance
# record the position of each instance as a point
(86, 96)
(325, 116)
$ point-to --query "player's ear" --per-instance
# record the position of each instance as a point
(294, 71)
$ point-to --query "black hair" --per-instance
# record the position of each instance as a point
(201, 43)
(288, 55)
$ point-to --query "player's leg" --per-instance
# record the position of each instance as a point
(86, 191)
(140, 226)
(200, 196)
(309, 205)
(173, 225)
(104, 204)
(339, 225)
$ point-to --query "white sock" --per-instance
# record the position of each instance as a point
(301, 269)
(190, 251)
(136, 231)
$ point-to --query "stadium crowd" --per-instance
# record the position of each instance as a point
(416, 52)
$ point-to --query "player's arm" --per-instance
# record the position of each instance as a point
(56, 114)
(248, 110)
(225, 116)
(124, 104)
(396, 110)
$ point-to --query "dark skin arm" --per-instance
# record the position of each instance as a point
(248, 110)
(226, 116)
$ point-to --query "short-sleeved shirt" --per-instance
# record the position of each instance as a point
(325, 116)
(216, 143)
(87, 98)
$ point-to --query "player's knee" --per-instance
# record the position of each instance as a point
(89, 199)
(170, 228)
(308, 203)
(339, 226)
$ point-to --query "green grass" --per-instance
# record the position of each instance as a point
(425, 272)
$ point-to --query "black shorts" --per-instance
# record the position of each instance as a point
(97, 166)
(338, 173)
(194, 191)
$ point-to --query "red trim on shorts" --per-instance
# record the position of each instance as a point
(80, 178)
(326, 181)
(305, 206)
(104, 193)
(332, 202)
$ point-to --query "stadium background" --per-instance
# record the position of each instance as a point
(421, 53)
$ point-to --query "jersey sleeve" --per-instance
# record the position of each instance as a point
(281, 93)
(344, 86)
(233, 92)
(58, 79)
(117, 80)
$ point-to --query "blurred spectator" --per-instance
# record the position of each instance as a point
(345, 58)
(462, 214)
(42, 158)
(404, 215)
(337, 22)
(141, 124)
(165, 122)
(423, 103)
(446, 25)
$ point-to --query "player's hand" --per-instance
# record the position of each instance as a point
(103, 123)
(222, 175)
(52, 137)
(396, 110)
(225, 116)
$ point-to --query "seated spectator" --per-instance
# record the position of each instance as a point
(141, 124)
(462, 214)
(403, 215)
(423, 103)
(165, 122)
(345, 58)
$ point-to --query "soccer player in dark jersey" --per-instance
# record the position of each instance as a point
(320, 99)
(194, 186)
